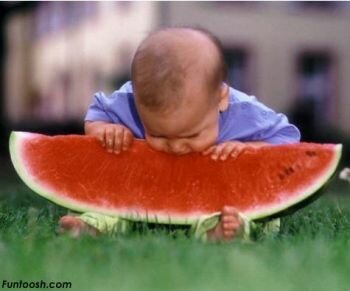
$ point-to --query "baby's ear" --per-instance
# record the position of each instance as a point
(223, 97)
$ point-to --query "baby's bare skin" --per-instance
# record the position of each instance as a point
(75, 226)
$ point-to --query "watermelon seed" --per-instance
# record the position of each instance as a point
(281, 176)
(288, 171)
(311, 153)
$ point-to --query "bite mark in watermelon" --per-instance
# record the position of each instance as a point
(76, 172)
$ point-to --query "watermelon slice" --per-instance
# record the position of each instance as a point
(75, 171)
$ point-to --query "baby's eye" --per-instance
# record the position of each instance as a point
(193, 135)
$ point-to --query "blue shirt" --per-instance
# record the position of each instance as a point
(246, 119)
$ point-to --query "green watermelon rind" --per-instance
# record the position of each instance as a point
(266, 211)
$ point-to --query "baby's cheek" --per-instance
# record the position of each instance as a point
(206, 140)
(203, 143)
(156, 144)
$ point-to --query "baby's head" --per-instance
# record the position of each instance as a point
(177, 78)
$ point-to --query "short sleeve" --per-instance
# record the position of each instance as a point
(250, 120)
(277, 130)
(97, 110)
(117, 108)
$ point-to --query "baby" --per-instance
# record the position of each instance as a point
(179, 103)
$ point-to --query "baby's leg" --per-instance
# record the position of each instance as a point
(229, 226)
(93, 223)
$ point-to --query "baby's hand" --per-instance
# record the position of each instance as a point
(224, 150)
(114, 137)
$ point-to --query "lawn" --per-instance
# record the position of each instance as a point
(310, 253)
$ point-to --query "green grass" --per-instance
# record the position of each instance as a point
(310, 253)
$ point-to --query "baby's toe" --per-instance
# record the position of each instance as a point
(229, 225)
(228, 234)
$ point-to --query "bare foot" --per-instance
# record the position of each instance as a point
(75, 226)
(228, 227)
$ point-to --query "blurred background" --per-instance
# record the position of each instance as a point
(294, 56)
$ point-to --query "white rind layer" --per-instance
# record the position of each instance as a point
(17, 138)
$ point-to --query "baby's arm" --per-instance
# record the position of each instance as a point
(114, 137)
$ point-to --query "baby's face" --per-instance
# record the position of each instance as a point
(193, 127)
(181, 132)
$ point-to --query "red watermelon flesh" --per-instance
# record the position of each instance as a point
(75, 171)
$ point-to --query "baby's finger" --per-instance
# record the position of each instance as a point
(227, 150)
(127, 139)
(101, 138)
(118, 140)
(208, 151)
(217, 151)
(109, 138)
(228, 218)
(236, 153)
(228, 233)
(238, 150)
(231, 225)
